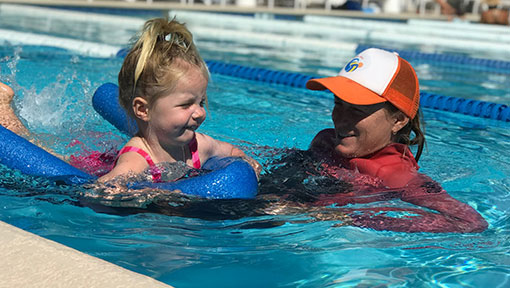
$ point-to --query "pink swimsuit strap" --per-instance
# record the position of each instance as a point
(155, 172)
(193, 148)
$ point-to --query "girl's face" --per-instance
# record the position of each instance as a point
(361, 129)
(175, 117)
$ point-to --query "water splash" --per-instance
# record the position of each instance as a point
(44, 110)
(11, 65)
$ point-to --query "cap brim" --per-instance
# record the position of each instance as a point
(346, 89)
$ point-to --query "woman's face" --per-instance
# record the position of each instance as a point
(361, 129)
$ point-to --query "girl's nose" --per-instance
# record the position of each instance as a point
(199, 113)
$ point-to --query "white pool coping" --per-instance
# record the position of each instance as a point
(29, 260)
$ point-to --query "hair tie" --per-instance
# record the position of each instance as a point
(179, 41)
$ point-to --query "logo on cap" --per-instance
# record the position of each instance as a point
(353, 65)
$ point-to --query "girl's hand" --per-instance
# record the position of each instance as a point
(236, 152)
(211, 147)
(254, 164)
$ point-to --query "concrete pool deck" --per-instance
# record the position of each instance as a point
(165, 6)
(32, 261)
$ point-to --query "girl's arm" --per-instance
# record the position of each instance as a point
(210, 147)
(127, 163)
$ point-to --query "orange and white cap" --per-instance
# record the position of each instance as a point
(375, 76)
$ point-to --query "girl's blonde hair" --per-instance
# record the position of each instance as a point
(161, 55)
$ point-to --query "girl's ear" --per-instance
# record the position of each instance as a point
(400, 121)
(141, 108)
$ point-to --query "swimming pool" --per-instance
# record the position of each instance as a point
(467, 155)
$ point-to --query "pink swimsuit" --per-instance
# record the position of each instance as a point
(156, 173)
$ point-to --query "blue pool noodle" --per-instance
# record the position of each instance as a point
(229, 178)
(18, 153)
(105, 102)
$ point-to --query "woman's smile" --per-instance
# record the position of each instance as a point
(360, 130)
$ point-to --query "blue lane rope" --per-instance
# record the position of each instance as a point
(259, 74)
(470, 107)
(251, 73)
(474, 63)
(434, 101)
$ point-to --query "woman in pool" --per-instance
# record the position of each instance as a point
(376, 109)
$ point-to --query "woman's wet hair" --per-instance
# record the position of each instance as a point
(162, 53)
(404, 135)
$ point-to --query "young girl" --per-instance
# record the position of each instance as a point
(376, 108)
(162, 85)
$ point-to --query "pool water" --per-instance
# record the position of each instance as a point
(467, 155)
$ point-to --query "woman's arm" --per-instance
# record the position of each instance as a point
(452, 215)
(456, 216)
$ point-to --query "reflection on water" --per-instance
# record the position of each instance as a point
(272, 233)
(295, 183)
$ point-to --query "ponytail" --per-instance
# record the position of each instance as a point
(404, 135)
(419, 135)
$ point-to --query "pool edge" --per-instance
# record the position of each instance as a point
(29, 260)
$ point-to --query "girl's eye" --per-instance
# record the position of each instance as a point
(202, 103)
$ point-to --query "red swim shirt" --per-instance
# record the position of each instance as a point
(394, 165)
